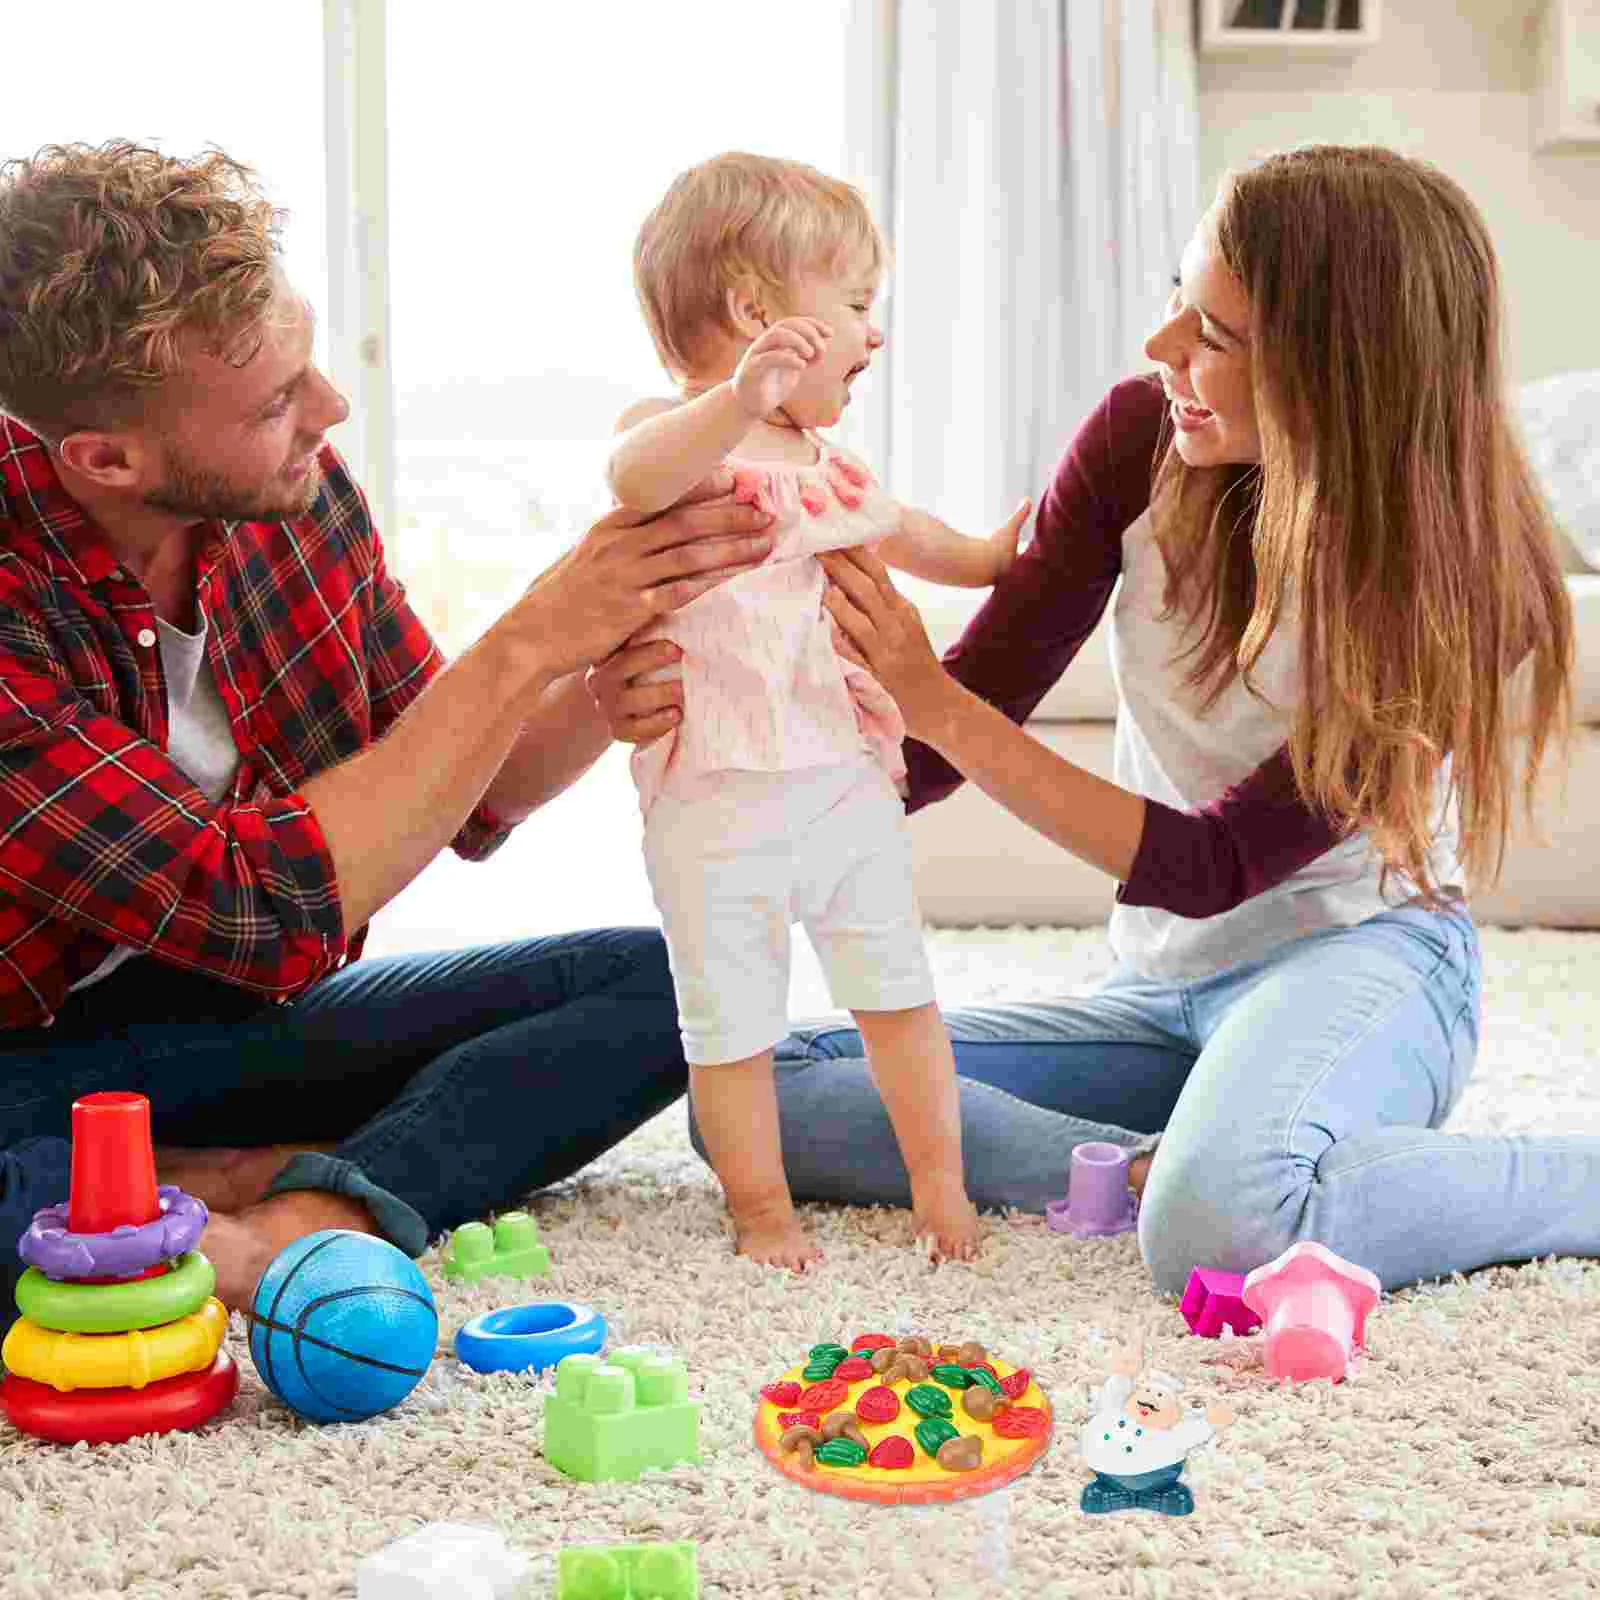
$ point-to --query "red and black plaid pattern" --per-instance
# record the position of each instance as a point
(103, 840)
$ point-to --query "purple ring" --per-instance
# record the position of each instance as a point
(59, 1253)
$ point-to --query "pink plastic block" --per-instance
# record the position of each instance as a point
(1213, 1300)
(1315, 1306)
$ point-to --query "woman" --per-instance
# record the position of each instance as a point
(1341, 639)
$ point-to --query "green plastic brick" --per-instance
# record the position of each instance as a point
(511, 1249)
(614, 1417)
(628, 1572)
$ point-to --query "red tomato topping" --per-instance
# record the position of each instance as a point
(853, 1370)
(825, 1396)
(872, 1341)
(781, 1394)
(801, 1419)
(1020, 1422)
(1017, 1384)
(878, 1405)
(891, 1452)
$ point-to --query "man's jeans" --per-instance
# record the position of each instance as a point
(1296, 1097)
(453, 1082)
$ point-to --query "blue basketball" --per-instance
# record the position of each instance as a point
(342, 1326)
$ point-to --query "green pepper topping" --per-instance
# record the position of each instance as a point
(932, 1432)
(927, 1400)
(818, 1351)
(841, 1452)
(951, 1376)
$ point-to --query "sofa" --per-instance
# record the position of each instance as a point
(977, 865)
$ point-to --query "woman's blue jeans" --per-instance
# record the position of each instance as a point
(1296, 1097)
(453, 1083)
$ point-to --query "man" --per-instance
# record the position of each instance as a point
(226, 741)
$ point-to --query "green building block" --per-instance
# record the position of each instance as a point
(628, 1572)
(614, 1417)
(510, 1250)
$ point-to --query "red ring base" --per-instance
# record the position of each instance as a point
(109, 1416)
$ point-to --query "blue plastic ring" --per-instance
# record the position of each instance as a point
(530, 1338)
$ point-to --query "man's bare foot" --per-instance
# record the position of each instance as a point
(242, 1246)
(773, 1236)
(944, 1212)
(226, 1178)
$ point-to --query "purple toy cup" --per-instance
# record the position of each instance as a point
(1099, 1200)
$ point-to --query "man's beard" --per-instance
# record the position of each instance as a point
(191, 491)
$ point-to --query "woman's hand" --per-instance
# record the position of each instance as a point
(636, 710)
(878, 628)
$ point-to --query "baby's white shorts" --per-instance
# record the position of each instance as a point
(736, 858)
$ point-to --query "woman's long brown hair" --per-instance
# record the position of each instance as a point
(1393, 514)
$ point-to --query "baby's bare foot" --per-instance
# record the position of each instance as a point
(943, 1214)
(774, 1237)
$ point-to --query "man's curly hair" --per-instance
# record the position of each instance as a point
(109, 256)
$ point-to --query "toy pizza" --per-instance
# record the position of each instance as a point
(903, 1421)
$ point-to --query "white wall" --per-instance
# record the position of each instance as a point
(1451, 84)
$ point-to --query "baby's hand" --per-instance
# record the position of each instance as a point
(773, 365)
(1003, 541)
(1219, 1415)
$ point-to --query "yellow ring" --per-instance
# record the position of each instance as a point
(68, 1361)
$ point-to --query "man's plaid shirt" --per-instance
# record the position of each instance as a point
(103, 840)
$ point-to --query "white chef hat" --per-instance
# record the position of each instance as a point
(1160, 1380)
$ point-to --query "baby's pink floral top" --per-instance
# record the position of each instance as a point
(764, 690)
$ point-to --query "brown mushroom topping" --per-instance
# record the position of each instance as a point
(915, 1344)
(980, 1403)
(800, 1435)
(839, 1424)
(947, 1352)
(916, 1367)
(882, 1360)
(970, 1354)
(961, 1455)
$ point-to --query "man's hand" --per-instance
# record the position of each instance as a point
(627, 570)
(637, 711)
(769, 370)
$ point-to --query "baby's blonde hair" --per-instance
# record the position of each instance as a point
(742, 219)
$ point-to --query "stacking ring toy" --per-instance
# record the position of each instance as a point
(57, 1252)
(117, 1307)
(68, 1361)
(108, 1416)
(530, 1338)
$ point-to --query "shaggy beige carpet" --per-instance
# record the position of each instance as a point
(1461, 1459)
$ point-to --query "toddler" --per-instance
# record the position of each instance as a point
(775, 800)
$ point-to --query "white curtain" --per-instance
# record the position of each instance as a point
(1037, 166)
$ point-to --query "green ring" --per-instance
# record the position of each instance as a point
(117, 1307)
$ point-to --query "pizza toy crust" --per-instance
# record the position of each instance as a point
(890, 1420)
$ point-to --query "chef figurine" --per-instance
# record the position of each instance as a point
(1138, 1438)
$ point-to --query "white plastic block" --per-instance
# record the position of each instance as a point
(442, 1561)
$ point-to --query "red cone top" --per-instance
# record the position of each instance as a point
(113, 1163)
